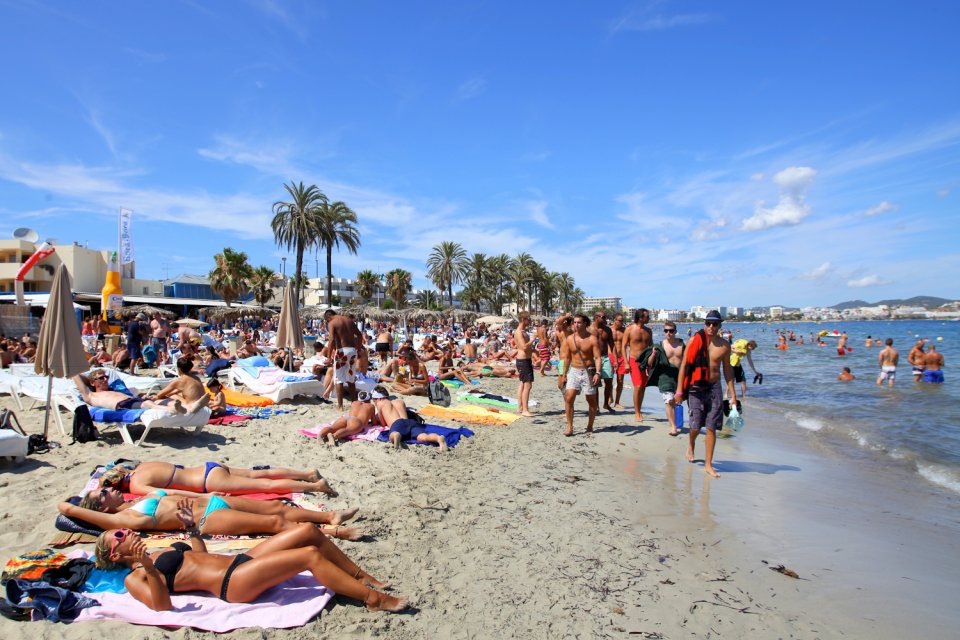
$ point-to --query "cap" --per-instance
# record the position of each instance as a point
(714, 315)
(376, 395)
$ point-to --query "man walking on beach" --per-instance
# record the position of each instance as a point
(158, 336)
(636, 338)
(343, 336)
(524, 362)
(888, 360)
(581, 371)
(915, 358)
(604, 337)
(932, 365)
(618, 359)
(706, 358)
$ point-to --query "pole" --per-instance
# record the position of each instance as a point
(46, 415)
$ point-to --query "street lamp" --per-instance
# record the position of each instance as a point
(283, 268)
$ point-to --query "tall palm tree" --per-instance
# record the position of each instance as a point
(520, 272)
(576, 299)
(548, 293)
(230, 277)
(428, 299)
(499, 267)
(473, 294)
(261, 283)
(295, 223)
(477, 271)
(335, 225)
(366, 284)
(446, 266)
(398, 285)
(565, 286)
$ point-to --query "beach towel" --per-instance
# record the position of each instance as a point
(237, 399)
(129, 416)
(370, 433)
(452, 436)
(490, 401)
(258, 412)
(228, 419)
(472, 414)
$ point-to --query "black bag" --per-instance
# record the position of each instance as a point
(438, 394)
(413, 415)
(37, 444)
(83, 427)
(8, 420)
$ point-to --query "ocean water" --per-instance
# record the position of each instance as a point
(915, 426)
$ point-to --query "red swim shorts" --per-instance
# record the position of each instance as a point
(637, 377)
(619, 364)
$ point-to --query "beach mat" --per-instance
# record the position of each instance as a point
(471, 414)
(452, 436)
(370, 433)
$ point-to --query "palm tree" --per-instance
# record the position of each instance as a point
(576, 299)
(520, 272)
(446, 266)
(473, 294)
(548, 293)
(477, 270)
(398, 285)
(295, 223)
(366, 284)
(261, 283)
(335, 225)
(498, 267)
(565, 286)
(231, 276)
(428, 299)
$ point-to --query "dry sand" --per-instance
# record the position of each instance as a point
(517, 532)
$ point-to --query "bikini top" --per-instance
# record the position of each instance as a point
(148, 506)
(169, 562)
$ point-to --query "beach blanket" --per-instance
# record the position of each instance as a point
(228, 419)
(237, 399)
(452, 436)
(490, 401)
(290, 604)
(469, 413)
(369, 434)
(258, 412)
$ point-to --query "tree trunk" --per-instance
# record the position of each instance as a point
(330, 276)
(298, 286)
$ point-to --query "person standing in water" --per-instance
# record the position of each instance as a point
(888, 359)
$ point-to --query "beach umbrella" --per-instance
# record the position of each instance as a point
(60, 350)
(148, 310)
(190, 322)
(289, 334)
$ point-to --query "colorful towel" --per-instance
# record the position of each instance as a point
(237, 399)
(471, 414)
(488, 401)
(370, 433)
(228, 419)
(452, 436)
(258, 412)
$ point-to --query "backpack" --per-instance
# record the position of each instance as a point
(8, 420)
(438, 394)
(83, 427)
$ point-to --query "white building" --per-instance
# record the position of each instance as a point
(674, 315)
(616, 304)
(701, 311)
(776, 312)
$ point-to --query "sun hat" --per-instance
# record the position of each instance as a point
(713, 315)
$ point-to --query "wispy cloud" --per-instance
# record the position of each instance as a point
(471, 88)
(531, 156)
(645, 17)
(818, 274)
(866, 281)
(289, 16)
(276, 157)
(794, 183)
(93, 117)
(538, 212)
(883, 207)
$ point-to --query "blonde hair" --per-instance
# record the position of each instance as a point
(101, 556)
(92, 501)
(113, 477)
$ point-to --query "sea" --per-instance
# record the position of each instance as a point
(913, 426)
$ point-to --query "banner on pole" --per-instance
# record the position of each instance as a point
(126, 236)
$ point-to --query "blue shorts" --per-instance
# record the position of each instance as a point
(705, 405)
(933, 377)
(407, 428)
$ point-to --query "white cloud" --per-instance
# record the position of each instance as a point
(538, 212)
(644, 20)
(866, 281)
(883, 207)
(794, 184)
(758, 177)
(708, 230)
(820, 273)
(471, 88)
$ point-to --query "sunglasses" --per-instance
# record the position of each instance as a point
(118, 537)
(101, 378)
(711, 323)
(669, 330)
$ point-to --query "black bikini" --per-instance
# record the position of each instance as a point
(169, 563)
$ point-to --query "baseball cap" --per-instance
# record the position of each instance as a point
(714, 315)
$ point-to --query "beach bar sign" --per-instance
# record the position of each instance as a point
(126, 236)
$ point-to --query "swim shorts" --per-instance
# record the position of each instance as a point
(159, 344)
(706, 407)
(382, 347)
(619, 364)
(128, 403)
(933, 377)
(841, 352)
(738, 373)
(579, 380)
(667, 396)
(407, 428)
(606, 368)
(888, 373)
(638, 377)
(918, 371)
(346, 366)
(525, 369)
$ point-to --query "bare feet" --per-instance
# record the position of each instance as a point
(689, 454)
(710, 471)
(198, 404)
(341, 516)
(528, 414)
(638, 417)
(443, 445)
(674, 433)
(610, 409)
(568, 432)
(370, 581)
(377, 601)
(324, 487)
(395, 440)
(619, 406)
(343, 533)
(178, 407)
(331, 441)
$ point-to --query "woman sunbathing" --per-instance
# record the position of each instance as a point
(239, 578)
(193, 481)
(228, 515)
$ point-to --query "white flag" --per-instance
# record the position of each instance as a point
(126, 237)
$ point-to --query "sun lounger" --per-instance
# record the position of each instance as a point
(270, 382)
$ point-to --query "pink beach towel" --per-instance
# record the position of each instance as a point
(370, 433)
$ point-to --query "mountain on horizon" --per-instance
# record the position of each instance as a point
(928, 302)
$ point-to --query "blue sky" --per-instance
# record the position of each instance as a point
(672, 153)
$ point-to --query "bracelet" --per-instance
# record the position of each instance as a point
(193, 531)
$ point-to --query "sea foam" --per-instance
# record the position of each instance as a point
(940, 475)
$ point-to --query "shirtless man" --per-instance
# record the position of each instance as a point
(673, 349)
(185, 335)
(6, 357)
(384, 346)
(158, 335)
(932, 365)
(846, 375)
(915, 358)
(888, 359)
(185, 388)
(393, 413)
(617, 358)
(470, 351)
(344, 345)
(700, 382)
(636, 338)
(362, 415)
(842, 345)
(583, 353)
(96, 391)
(524, 363)
(604, 336)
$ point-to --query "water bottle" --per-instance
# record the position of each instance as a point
(735, 420)
(679, 415)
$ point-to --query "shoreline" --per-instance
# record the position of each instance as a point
(546, 536)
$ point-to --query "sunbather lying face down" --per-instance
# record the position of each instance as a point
(229, 515)
(240, 578)
(362, 415)
(212, 477)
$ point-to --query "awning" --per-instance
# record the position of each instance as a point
(192, 302)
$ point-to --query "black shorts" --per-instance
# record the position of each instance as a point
(383, 347)
(128, 403)
(525, 369)
(738, 373)
(407, 428)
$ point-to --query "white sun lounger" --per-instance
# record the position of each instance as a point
(276, 391)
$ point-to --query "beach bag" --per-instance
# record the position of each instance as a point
(37, 443)
(413, 415)
(438, 394)
(8, 420)
(83, 428)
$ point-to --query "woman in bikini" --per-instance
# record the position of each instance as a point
(212, 477)
(228, 515)
(240, 578)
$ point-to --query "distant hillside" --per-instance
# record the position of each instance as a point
(928, 302)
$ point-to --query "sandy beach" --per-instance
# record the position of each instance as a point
(518, 531)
